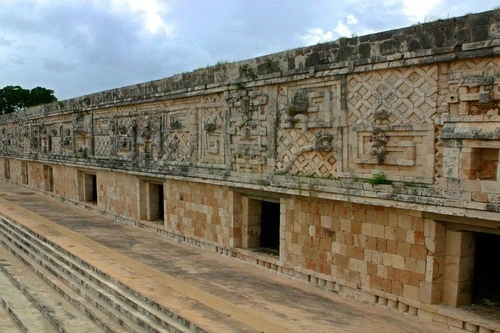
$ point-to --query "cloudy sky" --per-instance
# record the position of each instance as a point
(77, 47)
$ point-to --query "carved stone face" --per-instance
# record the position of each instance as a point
(323, 142)
(299, 103)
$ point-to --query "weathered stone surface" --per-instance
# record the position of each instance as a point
(342, 146)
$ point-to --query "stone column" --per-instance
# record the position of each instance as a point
(431, 289)
(459, 268)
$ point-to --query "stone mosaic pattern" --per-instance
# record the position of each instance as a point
(408, 95)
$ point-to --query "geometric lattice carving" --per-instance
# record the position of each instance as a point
(55, 143)
(177, 147)
(67, 141)
(125, 130)
(177, 137)
(297, 154)
(102, 146)
(304, 141)
(407, 94)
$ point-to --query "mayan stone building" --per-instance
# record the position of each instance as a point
(367, 165)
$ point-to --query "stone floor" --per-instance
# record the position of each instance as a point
(148, 262)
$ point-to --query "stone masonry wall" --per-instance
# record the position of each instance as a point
(117, 193)
(380, 152)
(360, 246)
(199, 211)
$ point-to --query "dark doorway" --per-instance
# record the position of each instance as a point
(24, 173)
(161, 207)
(155, 202)
(48, 178)
(89, 188)
(93, 197)
(270, 225)
(486, 288)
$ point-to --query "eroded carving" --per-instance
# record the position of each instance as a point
(210, 126)
(297, 109)
(381, 115)
(323, 142)
(379, 140)
(145, 131)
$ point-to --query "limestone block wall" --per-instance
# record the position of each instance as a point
(117, 193)
(65, 181)
(36, 178)
(17, 169)
(199, 211)
(360, 246)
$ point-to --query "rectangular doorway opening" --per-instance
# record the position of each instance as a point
(270, 225)
(6, 169)
(486, 286)
(260, 227)
(48, 178)
(156, 202)
(24, 173)
(90, 188)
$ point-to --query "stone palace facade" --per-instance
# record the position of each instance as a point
(367, 165)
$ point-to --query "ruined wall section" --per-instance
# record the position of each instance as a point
(418, 106)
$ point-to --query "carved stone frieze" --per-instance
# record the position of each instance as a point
(320, 143)
(249, 131)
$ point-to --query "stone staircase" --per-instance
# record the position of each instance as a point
(28, 304)
(107, 303)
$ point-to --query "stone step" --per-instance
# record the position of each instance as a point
(100, 302)
(7, 324)
(27, 316)
(60, 312)
(118, 302)
(66, 292)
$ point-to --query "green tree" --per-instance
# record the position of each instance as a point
(15, 98)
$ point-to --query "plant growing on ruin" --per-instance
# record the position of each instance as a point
(378, 179)
(270, 66)
(240, 85)
(248, 72)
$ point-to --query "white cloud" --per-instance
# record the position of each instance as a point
(151, 12)
(342, 29)
(317, 35)
(415, 11)
(351, 19)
